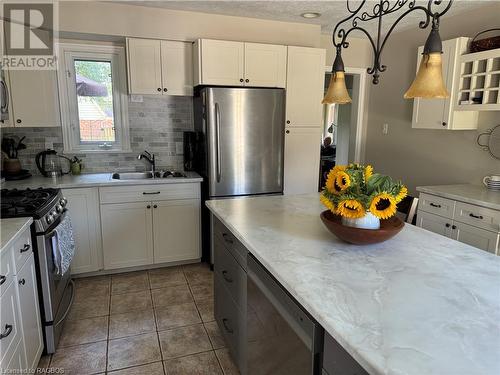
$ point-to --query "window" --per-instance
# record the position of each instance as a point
(93, 98)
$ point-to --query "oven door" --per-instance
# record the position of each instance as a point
(53, 285)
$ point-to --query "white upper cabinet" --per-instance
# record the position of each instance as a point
(144, 66)
(304, 86)
(159, 67)
(219, 62)
(177, 67)
(35, 102)
(225, 63)
(265, 65)
(441, 113)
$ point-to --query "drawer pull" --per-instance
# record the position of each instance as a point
(480, 217)
(22, 282)
(2, 279)
(8, 330)
(435, 205)
(226, 327)
(25, 248)
(227, 238)
(447, 225)
(151, 193)
(226, 277)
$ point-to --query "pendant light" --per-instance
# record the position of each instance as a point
(337, 90)
(429, 80)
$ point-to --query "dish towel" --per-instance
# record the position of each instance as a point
(63, 246)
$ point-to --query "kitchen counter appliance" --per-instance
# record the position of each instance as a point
(48, 163)
(283, 339)
(56, 292)
(238, 145)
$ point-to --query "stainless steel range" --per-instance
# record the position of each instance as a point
(48, 209)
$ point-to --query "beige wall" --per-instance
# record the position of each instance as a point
(357, 55)
(91, 17)
(424, 157)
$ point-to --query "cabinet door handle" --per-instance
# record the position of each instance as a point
(150, 193)
(447, 225)
(227, 238)
(2, 279)
(435, 205)
(22, 282)
(443, 123)
(453, 227)
(247, 80)
(480, 217)
(159, 89)
(287, 121)
(241, 79)
(287, 132)
(18, 121)
(226, 326)
(226, 277)
(148, 206)
(165, 89)
(155, 206)
(25, 248)
(8, 330)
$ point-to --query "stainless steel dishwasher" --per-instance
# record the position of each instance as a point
(282, 338)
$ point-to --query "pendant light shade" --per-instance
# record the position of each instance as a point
(337, 90)
(429, 80)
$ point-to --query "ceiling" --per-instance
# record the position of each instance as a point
(331, 11)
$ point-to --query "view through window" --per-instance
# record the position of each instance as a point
(94, 89)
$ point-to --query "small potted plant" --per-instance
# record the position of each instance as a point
(360, 197)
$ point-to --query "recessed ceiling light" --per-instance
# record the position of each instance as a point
(311, 15)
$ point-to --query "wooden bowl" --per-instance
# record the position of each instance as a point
(388, 229)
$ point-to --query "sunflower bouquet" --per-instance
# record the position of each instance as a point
(353, 190)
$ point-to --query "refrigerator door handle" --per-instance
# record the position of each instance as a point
(217, 147)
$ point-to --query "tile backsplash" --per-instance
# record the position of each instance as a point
(156, 125)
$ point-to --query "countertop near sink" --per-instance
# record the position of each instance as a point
(417, 304)
(93, 180)
(11, 228)
(468, 193)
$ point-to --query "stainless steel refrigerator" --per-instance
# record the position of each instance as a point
(238, 143)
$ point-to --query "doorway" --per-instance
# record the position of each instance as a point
(343, 125)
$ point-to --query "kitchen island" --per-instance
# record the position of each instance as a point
(418, 304)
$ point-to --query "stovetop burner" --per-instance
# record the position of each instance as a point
(28, 202)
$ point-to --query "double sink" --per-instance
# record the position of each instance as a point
(146, 175)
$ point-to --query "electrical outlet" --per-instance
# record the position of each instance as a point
(179, 148)
(385, 129)
(136, 99)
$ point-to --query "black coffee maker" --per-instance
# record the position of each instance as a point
(49, 163)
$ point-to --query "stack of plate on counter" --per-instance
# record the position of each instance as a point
(492, 182)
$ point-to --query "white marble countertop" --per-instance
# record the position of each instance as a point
(92, 180)
(468, 193)
(418, 304)
(10, 229)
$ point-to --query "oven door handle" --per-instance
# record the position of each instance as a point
(72, 283)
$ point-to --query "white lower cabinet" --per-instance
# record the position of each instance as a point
(137, 231)
(83, 208)
(127, 234)
(21, 342)
(302, 156)
(452, 219)
(31, 323)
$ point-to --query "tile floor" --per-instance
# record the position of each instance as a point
(156, 322)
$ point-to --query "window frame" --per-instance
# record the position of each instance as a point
(68, 53)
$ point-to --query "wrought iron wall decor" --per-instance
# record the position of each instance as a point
(431, 14)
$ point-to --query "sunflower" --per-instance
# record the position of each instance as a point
(368, 172)
(342, 180)
(403, 192)
(383, 205)
(331, 182)
(350, 208)
(327, 202)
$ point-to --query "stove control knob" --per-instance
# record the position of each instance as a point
(59, 208)
(49, 219)
(63, 202)
(54, 213)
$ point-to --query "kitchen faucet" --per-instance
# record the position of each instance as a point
(150, 158)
